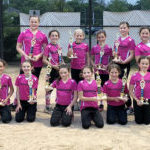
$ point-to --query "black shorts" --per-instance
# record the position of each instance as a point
(116, 114)
(53, 75)
(59, 116)
(89, 114)
(76, 74)
(27, 108)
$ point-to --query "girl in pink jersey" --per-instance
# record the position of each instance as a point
(66, 96)
(22, 85)
(6, 91)
(87, 92)
(51, 51)
(106, 57)
(81, 50)
(141, 111)
(24, 46)
(143, 48)
(126, 48)
(115, 104)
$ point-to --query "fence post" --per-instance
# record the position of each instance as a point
(1, 29)
(90, 22)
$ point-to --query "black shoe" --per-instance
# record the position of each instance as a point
(12, 107)
(101, 107)
(130, 111)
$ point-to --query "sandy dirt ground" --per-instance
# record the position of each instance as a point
(41, 136)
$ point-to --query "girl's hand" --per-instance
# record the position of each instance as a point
(36, 58)
(4, 102)
(18, 108)
(49, 88)
(139, 102)
(68, 110)
(56, 67)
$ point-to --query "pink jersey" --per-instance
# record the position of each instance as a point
(106, 57)
(51, 51)
(125, 46)
(135, 80)
(142, 50)
(81, 51)
(25, 38)
(22, 84)
(65, 91)
(89, 90)
(6, 83)
(114, 90)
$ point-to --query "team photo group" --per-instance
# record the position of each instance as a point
(93, 76)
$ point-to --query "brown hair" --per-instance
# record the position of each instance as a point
(143, 57)
(89, 67)
(142, 28)
(3, 62)
(54, 31)
(34, 16)
(112, 66)
(124, 22)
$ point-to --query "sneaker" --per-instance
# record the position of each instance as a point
(48, 109)
(101, 107)
(12, 107)
(130, 111)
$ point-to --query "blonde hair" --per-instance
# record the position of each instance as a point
(79, 31)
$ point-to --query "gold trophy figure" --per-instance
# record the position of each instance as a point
(60, 55)
(124, 81)
(30, 84)
(33, 42)
(142, 99)
(100, 95)
(117, 43)
(48, 71)
(72, 54)
(101, 56)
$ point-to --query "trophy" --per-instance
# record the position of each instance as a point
(142, 99)
(48, 71)
(124, 81)
(101, 56)
(100, 95)
(60, 55)
(73, 55)
(33, 41)
(116, 57)
(30, 84)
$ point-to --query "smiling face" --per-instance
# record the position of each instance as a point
(34, 23)
(64, 73)
(79, 36)
(54, 37)
(124, 30)
(145, 35)
(144, 64)
(26, 67)
(87, 74)
(114, 74)
(2, 67)
(101, 38)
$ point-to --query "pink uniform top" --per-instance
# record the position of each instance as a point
(125, 46)
(89, 90)
(142, 50)
(51, 51)
(22, 84)
(6, 83)
(25, 38)
(135, 80)
(114, 90)
(106, 57)
(65, 91)
(81, 51)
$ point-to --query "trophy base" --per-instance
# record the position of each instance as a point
(32, 101)
(100, 68)
(1, 104)
(73, 57)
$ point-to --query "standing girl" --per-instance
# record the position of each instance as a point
(87, 90)
(66, 93)
(6, 91)
(115, 104)
(141, 111)
(52, 51)
(30, 46)
(126, 48)
(103, 60)
(143, 48)
(23, 94)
